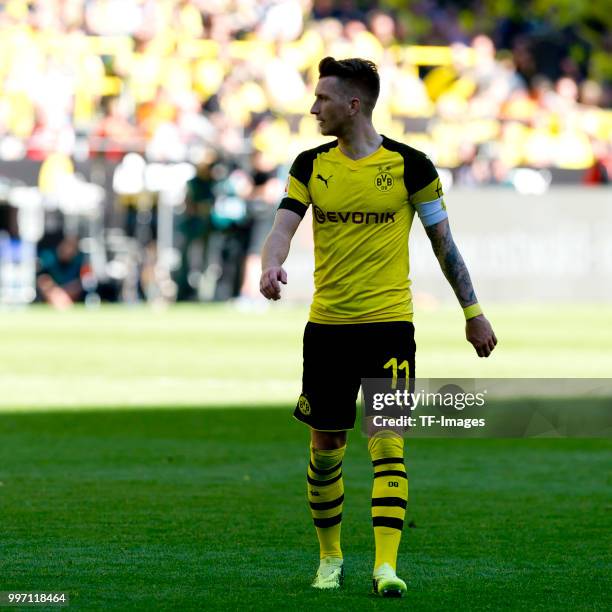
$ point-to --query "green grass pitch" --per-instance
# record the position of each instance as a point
(148, 460)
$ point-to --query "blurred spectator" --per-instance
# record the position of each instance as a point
(114, 135)
(600, 173)
(114, 17)
(383, 27)
(63, 271)
(262, 203)
(194, 228)
(231, 229)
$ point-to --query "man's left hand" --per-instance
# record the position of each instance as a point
(479, 333)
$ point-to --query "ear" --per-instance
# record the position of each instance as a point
(354, 106)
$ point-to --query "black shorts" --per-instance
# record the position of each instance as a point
(337, 357)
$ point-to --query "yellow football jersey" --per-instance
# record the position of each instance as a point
(362, 214)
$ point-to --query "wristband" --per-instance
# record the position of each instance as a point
(471, 311)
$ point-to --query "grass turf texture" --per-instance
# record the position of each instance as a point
(207, 356)
(204, 508)
(201, 509)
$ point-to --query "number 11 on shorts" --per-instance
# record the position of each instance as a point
(392, 363)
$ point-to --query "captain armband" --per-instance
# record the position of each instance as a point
(431, 213)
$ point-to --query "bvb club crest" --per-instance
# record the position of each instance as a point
(384, 180)
(304, 405)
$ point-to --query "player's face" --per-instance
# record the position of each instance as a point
(331, 106)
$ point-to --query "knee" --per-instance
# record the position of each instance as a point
(384, 445)
(327, 440)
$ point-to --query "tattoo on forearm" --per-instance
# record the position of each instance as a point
(451, 262)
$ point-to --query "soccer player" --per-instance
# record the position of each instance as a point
(364, 189)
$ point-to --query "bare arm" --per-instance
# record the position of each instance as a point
(451, 262)
(275, 251)
(478, 330)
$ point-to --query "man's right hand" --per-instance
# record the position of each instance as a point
(269, 284)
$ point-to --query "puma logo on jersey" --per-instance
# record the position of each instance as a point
(324, 179)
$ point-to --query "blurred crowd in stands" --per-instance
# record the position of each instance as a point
(225, 86)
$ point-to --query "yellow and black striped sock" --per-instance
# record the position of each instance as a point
(325, 495)
(389, 495)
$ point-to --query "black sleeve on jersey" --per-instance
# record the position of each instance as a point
(423, 173)
(419, 170)
(294, 205)
(301, 168)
